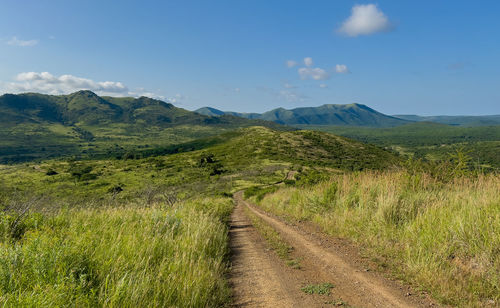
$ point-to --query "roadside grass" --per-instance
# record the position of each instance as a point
(441, 236)
(274, 239)
(339, 303)
(321, 289)
(127, 256)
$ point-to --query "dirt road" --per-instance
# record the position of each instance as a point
(260, 279)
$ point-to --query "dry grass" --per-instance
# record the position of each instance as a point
(444, 237)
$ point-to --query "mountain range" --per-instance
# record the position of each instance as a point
(87, 108)
(329, 114)
(38, 126)
(350, 115)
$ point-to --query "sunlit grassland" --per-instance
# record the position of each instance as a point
(128, 256)
(442, 236)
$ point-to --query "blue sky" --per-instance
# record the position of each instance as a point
(412, 57)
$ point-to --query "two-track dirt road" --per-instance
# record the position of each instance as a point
(260, 279)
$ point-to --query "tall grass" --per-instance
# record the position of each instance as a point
(444, 237)
(118, 257)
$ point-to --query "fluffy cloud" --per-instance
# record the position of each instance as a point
(14, 41)
(324, 86)
(291, 96)
(314, 73)
(289, 86)
(341, 69)
(291, 63)
(285, 95)
(176, 99)
(308, 61)
(364, 20)
(45, 82)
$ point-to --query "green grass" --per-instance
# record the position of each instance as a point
(441, 236)
(321, 289)
(128, 256)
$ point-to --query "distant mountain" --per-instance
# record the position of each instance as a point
(34, 125)
(209, 111)
(330, 114)
(454, 120)
(87, 108)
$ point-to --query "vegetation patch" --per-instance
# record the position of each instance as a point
(122, 257)
(321, 289)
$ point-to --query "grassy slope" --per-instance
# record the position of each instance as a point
(430, 140)
(118, 257)
(250, 155)
(441, 236)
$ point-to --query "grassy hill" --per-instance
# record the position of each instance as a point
(37, 126)
(246, 154)
(429, 140)
(330, 114)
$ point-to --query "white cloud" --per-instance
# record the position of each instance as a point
(289, 86)
(324, 86)
(364, 20)
(291, 96)
(286, 95)
(308, 61)
(176, 99)
(237, 90)
(313, 73)
(291, 63)
(14, 41)
(45, 82)
(341, 69)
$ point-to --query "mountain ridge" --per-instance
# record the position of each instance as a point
(328, 114)
(37, 126)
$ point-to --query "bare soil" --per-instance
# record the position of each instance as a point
(260, 279)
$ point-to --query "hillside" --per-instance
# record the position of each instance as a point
(87, 108)
(34, 126)
(243, 156)
(330, 114)
(428, 140)
(455, 120)
(307, 148)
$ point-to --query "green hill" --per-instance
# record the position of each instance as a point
(35, 126)
(429, 140)
(307, 148)
(330, 114)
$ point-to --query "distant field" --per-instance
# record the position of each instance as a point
(429, 140)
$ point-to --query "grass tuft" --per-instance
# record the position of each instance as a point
(321, 289)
